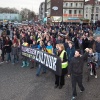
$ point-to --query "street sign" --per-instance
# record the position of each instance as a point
(55, 8)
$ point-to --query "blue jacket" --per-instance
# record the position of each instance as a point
(34, 46)
(70, 53)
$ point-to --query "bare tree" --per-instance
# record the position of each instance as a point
(8, 10)
(27, 14)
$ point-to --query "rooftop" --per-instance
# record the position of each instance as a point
(92, 2)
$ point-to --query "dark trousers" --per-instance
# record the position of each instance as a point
(93, 68)
(75, 80)
(59, 80)
(15, 58)
(3, 53)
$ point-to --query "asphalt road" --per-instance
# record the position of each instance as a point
(18, 83)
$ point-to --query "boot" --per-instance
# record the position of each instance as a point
(23, 64)
(27, 63)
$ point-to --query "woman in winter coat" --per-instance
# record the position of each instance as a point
(60, 80)
(8, 44)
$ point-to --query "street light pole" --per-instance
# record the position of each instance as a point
(3, 18)
(92, 14)
(46, 17)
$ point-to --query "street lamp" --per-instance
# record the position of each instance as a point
(46, 17)
(3, 18)
(93, 13)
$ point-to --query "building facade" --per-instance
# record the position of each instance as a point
(73, 10)
(65, 10)
(10, 17)
(92, 10)
(42, 11)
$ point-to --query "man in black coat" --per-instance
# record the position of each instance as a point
(76, 71)
(85, 43)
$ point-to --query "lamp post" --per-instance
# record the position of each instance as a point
(46, 17)
(3, 18)
(81, 22)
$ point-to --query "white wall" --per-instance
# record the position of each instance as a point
(88, 12)
(7, 16)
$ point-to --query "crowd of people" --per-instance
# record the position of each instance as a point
(69, 42)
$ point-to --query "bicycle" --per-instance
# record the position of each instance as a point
(91, 70)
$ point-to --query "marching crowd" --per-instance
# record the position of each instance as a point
(72, 43)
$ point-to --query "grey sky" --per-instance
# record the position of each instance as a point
(30, 4)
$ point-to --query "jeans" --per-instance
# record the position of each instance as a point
(8, 57)
(39, 69)
(98, 59)
(15, 58)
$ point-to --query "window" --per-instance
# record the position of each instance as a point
(76, 4)
(81, 5)
(71, 4)
(96, 17)
(86, 15)
(79, 11)
(70, 11)
(92, 16)
(75, 11)
(66, 4)
(97, 9)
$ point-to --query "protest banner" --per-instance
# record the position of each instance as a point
(51, 62)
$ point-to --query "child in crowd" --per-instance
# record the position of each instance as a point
(25, 62)
(49, 48)
(92, 62)
(15, 53)
(41, 46)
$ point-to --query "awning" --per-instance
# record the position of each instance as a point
(73, 19)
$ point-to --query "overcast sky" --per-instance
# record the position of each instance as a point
(30, 4)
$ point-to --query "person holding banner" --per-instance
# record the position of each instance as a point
(60, 80)
(25, 59)
(42, 47)
(34, 63)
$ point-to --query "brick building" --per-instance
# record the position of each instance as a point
(65, 10)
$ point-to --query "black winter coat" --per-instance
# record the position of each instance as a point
(76, 65)
(85, 43)
(8, 48)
